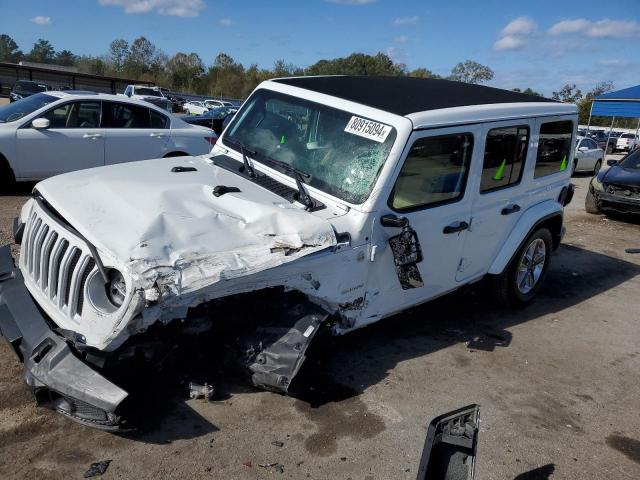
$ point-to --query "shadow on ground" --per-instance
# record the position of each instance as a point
(468, 316)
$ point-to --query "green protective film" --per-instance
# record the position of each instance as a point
(563, 165)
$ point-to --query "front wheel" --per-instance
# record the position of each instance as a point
(519, 283)
(597, 166)
(590, 203)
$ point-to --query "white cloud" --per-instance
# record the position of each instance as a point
(604, 28)
(615, 62)
(569, 26)
(401, 39)
(513, 36)
(520, 26)
(400, 21)
(174, 8)
(225, 22)
(351, 2)
(509, 42)
(40, 20)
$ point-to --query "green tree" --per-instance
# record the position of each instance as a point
(357, 64)
(184, 70)
(423, 73)
(118, 54)
(568, 94)
(65, 58)
(470, 71)
(9, 51)
(42, 52)
(528, 91)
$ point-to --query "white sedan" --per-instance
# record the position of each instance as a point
(195, 108)
(589, 156)
(56, 132)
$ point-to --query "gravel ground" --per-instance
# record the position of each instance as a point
(558, 384)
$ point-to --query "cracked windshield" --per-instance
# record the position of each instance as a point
(342, 152)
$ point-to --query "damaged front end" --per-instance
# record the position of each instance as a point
(58, 378)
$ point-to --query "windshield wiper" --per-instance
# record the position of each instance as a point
(299, 176)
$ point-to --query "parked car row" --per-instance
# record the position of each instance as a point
(215, 118)
(612, 141)
(53, 132)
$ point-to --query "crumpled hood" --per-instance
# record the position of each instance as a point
(618, 175)
(149, 218)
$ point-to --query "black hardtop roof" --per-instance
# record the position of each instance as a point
(405, 95)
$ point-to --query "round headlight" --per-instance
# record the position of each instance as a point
(116, 288)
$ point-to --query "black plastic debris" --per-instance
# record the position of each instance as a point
(97, 469)
(277, 443)
(632, 250)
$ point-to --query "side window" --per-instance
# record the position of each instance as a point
(75, 115)
(504, 154)
(554, 147)
(435, 172)
(121, 115)
(158, 120)
(591, 144)
(58, 116)
(127, 91)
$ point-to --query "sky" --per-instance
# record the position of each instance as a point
(541, 44)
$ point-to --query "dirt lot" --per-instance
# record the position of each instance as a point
(558, 384)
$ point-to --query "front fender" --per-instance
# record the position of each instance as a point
(528, 221)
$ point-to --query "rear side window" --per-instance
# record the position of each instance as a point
(435, 172)
(504, 154)
(158, 120)
(554, 147)
(120, 115)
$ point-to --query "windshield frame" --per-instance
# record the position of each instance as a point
(632, 153)
(402, 126)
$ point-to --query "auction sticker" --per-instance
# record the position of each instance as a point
(368, 129)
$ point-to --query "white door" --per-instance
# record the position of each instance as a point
(73, 141)
(499, 194)
(133, 133)
(430, 192)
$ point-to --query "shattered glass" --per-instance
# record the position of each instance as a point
(312, 138)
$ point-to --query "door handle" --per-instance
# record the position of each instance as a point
(510, 209)
(92, 135)
(456, 227)
(157, 135)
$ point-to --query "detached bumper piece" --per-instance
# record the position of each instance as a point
(60, 380)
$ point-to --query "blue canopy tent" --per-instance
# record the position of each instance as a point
(621, 103)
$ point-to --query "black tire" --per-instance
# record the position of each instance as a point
(597, 167)
(575, 165)
(506, 287)
(590, 203)
(7, 179)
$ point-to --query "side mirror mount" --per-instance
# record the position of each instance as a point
(392, 220)
(611, 163)
(40, 123)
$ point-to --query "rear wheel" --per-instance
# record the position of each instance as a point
(519, 283)
(597, 166)
(590, 203)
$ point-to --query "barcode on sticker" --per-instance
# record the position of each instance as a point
(308, 331)
(362, 127)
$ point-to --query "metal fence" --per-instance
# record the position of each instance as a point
(59, 78)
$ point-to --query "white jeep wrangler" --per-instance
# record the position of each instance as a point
(327, 202)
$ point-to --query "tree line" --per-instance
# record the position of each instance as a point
(225, 77)
(142, 60)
